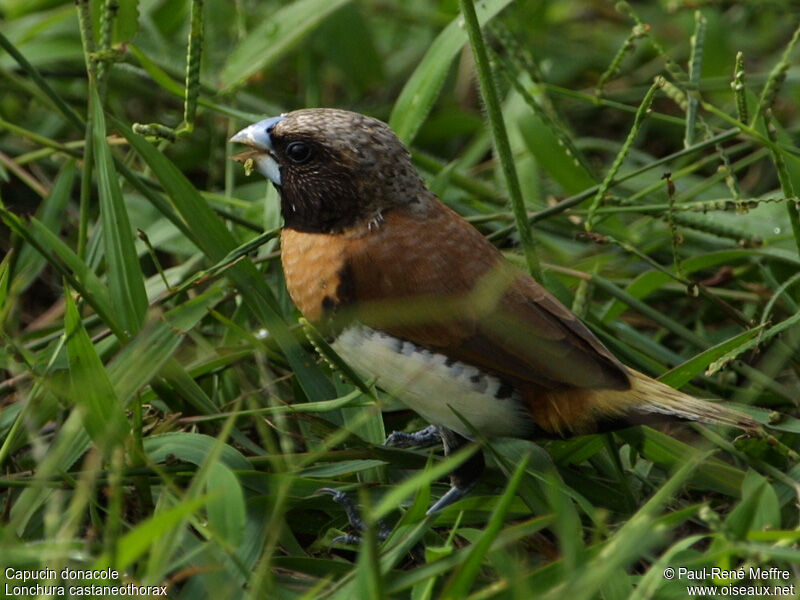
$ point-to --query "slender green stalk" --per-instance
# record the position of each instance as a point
(557, 129)
(87, 36)
(676, 94)
(776, 78)
(109, 14)
(86, 186)
(648, 311)
(673, 228)
(155, 130)
(193, 55)
(615, 166)
(495, 114)
(695, 69)
(599, 101)
(637, 32)
(739, 88)
(672, 67)
(514, 61)
(89, 48)
(23, 175)
(786, 182)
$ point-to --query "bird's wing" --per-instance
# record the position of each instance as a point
(431, 278)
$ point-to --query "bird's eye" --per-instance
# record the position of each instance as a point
(298, 152)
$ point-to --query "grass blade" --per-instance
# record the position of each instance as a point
(274, 37)
(102, 412)
(462, 580)
(126, 282)
(424, 85)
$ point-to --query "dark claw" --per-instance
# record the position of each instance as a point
(424, 437)
(355, 520)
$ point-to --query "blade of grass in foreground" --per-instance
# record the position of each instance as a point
(669, 453)
(134, 544)
(685, 371)
(631, 539)
(274, 37)
(103, 415)
(500, 136)
(465, 575)
(126, 282)
(422, 88)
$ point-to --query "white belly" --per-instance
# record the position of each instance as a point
(432, 386)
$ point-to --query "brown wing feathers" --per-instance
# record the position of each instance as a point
(423, 288)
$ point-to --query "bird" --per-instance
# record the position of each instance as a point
(410, 292)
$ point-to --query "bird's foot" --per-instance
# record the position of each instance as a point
(424, 437)
(354, 518)
(454, 494)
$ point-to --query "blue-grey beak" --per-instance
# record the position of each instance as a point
(257, 136)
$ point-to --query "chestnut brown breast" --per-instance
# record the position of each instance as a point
(313, 264)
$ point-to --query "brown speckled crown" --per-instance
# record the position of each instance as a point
(358, 171)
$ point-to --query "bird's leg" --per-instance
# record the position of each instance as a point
(465, 476)
(424, 437)
(462, 479)
(355, 520)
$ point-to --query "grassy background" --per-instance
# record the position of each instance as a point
(161, 410)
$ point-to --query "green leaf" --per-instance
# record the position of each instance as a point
(752, 343)
(345, 467)
(759, 508)
(103, 415)
(5, 268)
(347, 40)
(125, 279)
(422, 88)
(192, 448)
(685, 371)
(275, 36)
(669, 453)
(70, 444)
(631, 540)
(127, 22)
(148, 533)
(567, 524)
(226, 509)
(144, 356)
(653, 579)
(552, 157)
(465, 575)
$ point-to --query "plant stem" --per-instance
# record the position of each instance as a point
(500, 136)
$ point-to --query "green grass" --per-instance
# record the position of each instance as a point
(162, 411)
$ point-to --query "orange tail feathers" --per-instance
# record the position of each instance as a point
(580, 411)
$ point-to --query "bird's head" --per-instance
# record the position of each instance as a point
(334, 169)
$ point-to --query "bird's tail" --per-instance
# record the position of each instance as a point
(567, 412)
(651, 396)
